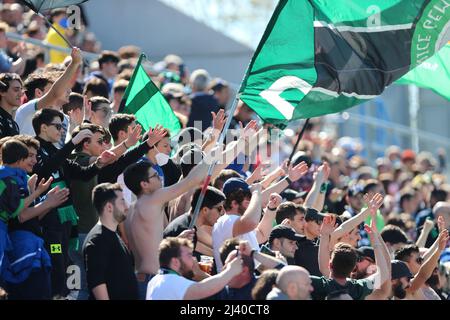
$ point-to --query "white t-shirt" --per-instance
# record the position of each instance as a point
(167, 287)
(223, 230)
(24, 117)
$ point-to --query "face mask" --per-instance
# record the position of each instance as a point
(162, 159)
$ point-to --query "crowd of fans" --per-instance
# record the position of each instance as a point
(92, 207)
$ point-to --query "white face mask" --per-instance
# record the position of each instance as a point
(161, 159)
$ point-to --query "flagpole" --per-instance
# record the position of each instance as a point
(300, 135)
(211, 167)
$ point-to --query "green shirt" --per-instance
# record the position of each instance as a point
(357, 289)
(11, 202)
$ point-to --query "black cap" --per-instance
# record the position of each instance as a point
(399, 270)
(282, 231)
(291, 195)
(366, 252)
(313, 215)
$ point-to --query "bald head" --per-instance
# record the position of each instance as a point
(295, 282)
(442, 208)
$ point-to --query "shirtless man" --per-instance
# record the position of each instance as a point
(144, 224)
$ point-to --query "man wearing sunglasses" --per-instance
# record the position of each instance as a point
(211, 210)
(421, 268)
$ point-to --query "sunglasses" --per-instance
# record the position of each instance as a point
(419, 260)
(219, 208)
(58, 126)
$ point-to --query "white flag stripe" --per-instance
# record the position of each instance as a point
(323, 24)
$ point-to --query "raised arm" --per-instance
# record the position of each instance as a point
(441, 227)
(265, 225)
(327, 227)
(63, 84)
(294, 173)
(266, 260)
(427, 227)
(214, 284)
(350, 224)
(218, 121)
(383, 273)
(426, 270)
(250, 219)
(316, 197)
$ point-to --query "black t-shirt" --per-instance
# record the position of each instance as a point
(8, 127)
(177, 226)
(172, 173)
(109, 262)
(307, 256)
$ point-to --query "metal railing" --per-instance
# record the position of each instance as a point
(19, 38)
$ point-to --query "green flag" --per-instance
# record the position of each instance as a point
(323, 56)
(143, 99)
(433, 74)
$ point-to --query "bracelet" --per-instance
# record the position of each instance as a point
(252, 253)
(288, 180)
(324, 187)
(125, 145)
(271, 209)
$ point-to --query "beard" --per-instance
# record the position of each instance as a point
(185, 271)
(399, 291)
(360, 274)
(118, 215)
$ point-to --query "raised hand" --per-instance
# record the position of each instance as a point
(77, 59)
(235, 266)
(44, 185)
(244, 248)
(328, 225)
(32, 183)
(257, 173)
(83, 134)
(373, 202)
(187, 234)
(298, 171)
(107, 157)
(219, 120)
(56, 197)
(133, 135)
(443, 239)
(250, 129)
(323, 172)
(155, 135)
(274, 201)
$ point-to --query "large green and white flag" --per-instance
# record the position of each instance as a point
(433, 74)
(143, 99)
(323, 56)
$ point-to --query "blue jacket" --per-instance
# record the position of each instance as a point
(5, 247)
(28, 254)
